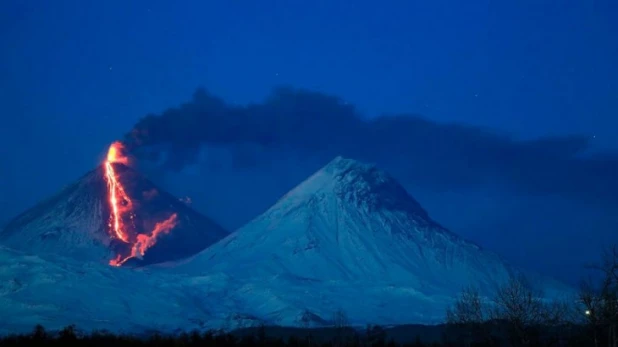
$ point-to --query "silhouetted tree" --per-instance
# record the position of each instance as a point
(516, 312)
(340, 323)
(375, 335)
(519, 309)
(601, 303)
(467, 318)
(68, 334)
(467, 309)
(39, 333)
(524, 313)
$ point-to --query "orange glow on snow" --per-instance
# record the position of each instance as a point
(121, 207)
(144, 242)
(116, 261)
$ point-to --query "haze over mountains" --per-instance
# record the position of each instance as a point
(348, 238)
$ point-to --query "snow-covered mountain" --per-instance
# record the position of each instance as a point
(351, 237)
(348, 238)
(352, 222)
(75, 222)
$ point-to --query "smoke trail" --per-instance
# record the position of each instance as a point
(310, 123)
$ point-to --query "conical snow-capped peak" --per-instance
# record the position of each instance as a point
(363, 185)
(349, 226)
(352, 221)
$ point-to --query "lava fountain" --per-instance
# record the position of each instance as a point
(121, 207)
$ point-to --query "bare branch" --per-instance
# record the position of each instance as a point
(468, 308)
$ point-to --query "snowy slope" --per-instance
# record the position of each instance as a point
(351, 237)
(92, 296)
(353, 222)
(74, 222)
(57, 291)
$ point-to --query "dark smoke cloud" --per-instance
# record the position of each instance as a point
(443, 155)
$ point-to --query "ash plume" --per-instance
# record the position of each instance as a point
(309, 123)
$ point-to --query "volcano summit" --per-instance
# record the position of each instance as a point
(112, 214)
(353, 222)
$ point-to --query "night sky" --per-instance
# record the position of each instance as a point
(77, 75)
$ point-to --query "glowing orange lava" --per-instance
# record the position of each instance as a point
(115, 154)
(144, 242)
(119, 201)
(122, 207)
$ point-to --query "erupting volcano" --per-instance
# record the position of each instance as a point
(113, 212)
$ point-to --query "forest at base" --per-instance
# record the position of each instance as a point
(412, 335)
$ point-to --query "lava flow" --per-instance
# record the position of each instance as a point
(119, 201)
(144, 241)
(121, 207)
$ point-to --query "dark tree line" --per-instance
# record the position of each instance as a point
(69, 336)
(517, 315)
(601, 302)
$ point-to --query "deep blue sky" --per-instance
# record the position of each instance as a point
(75, 75)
